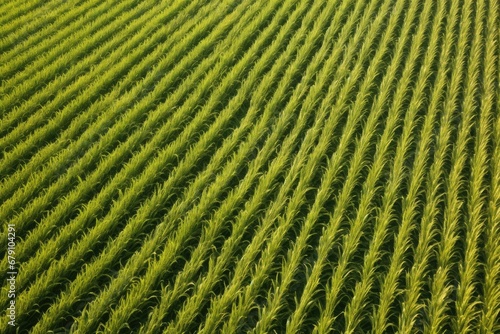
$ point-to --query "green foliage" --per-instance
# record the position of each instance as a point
(251, 166)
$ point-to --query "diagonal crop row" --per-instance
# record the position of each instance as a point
(335, 163)
(186, 228)
(127, 120)
(192, 193)
(390, 289)
(193, 126)
(195, 153)
(356, 308)
(245, 303)
(149, 149)
(192, 304)
(490, 312)
(14, 26)
(89, 185)
(17, 58)
(238, 166)
(412, 304)
(370, 187)
(12, 10)
(442, 282)
(45, 73)
(42, 125)
(171, 294)
(268, 145)
(43, 62)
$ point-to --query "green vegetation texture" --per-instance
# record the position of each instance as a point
(237, 166)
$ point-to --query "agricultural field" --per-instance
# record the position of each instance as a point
(237, 166)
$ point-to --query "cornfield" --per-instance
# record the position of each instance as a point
(237, 166)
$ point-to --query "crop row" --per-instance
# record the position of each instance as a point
(238, 166)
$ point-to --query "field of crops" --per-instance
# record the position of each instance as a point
(250, 166)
